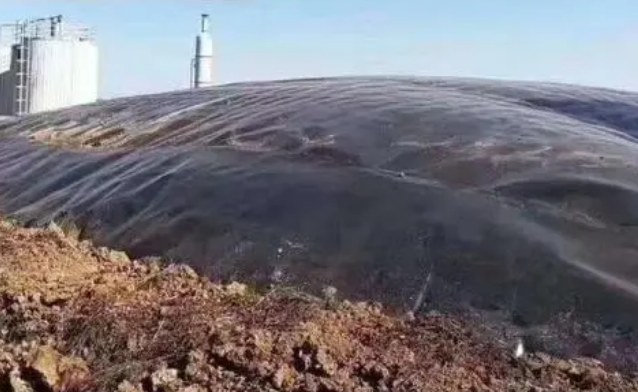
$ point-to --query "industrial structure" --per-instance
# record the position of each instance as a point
(46, 64)
(202, 63)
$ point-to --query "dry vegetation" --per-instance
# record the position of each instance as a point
(79, 318)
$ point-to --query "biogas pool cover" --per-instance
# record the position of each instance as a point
(498, 196)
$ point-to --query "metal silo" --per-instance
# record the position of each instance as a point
(53, 65)
(202, 64)
(6, 81)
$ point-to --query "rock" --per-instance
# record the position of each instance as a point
(325, 363)
(329, 293)
(114, 256)
(236, 289)
(328, 385)
(126, 386)
(196, 367)
(54, 228)
(192, 388)
(283, 377)
(575, 372)
(101, 252)
(376, 372)
(189, 272)
(303, 360)
(376, 308)
(7, 224)
(17, 383)
(36, 297)
(196, 357)
(71, 368)
(51, 367)
(563, 365)
(71, 230)
(310, 383)
(45, 363)
(262, 369)
(181, 270)
(544, 358)
(65, 229)
(153, 264)
(85, 245)
(138, 266)
(410, 317)
(165, 380)
(119, 257)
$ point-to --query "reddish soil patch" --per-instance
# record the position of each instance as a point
(74, 317)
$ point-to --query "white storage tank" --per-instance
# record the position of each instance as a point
(53, 66)
(6, 81)
(5, 58)
(63, 73)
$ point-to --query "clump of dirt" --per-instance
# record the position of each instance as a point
(75, 317)
(97, 138)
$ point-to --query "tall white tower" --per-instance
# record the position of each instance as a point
(203, 61)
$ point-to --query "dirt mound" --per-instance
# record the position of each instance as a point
(75, 317)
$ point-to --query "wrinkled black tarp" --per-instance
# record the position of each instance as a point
(513, 196)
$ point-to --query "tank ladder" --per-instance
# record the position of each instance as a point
(23, 71)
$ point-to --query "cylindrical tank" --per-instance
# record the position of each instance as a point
(203, 56)
(6, 81)
(5, 58)
(64, 72)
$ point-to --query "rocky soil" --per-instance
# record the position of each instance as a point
(75, 317)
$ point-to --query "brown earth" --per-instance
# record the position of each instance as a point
(75, 317)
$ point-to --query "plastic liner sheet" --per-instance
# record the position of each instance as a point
(520, 197)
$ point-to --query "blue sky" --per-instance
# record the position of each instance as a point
(146, 45)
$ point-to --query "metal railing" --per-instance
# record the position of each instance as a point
(44, 28)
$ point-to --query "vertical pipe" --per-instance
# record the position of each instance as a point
(205, 23)
(54, 27)
(191, 81)
(60, 30)
(203, 55)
